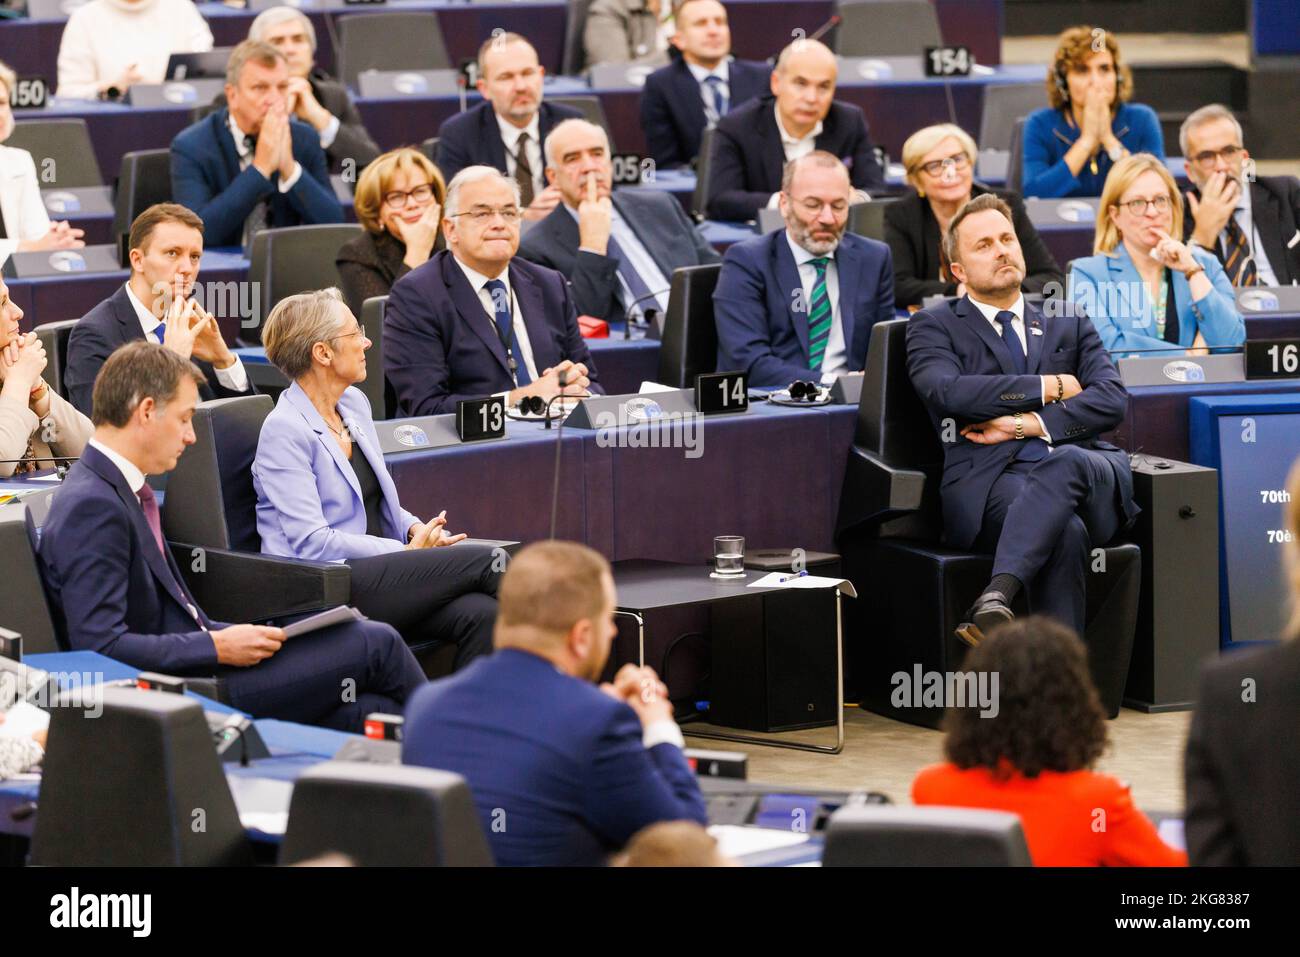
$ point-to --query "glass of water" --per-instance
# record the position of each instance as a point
(729, 556)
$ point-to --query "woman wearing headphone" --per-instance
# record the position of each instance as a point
(1071, 145)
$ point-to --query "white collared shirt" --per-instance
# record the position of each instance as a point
(134, 477)
(234, 377)
(835, 360)
(523, 349)
(1018, 324)
(246, 156)
(794, 147)
(701, 74)
(639, 259)
(510, 137)
(1245, 217)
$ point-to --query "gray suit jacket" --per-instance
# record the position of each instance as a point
(621, 31)
(659, 222)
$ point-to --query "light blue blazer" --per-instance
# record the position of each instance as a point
(1111, 292)
(308, 498)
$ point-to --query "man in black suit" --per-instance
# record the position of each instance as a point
(619, 251)
(702, 84)
(315, 97)
(166, 245)
(509, 130)
(116, 589)
(752, 143)
(1251, 223)
(475, 320)
(1018, 398)
(1242, 767)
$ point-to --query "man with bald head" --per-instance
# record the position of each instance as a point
(798, 304)
(752, 143)
(619, 249)
(563, 772)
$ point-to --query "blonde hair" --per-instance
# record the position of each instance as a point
(549, 587)
(926, 139)
(8, 77)
(1074, 47)
(297, 323)
(1121, 177)
(378, 176)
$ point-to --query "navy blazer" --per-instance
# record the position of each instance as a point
(672, 108)
(556, 766)
(758, 306)
(110, 589)
(657, 219)
(473, 138)
(441, 346)
(963, 372)
(99, 333)
(206, 178)
(747, 156)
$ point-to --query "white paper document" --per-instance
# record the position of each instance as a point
(796, 580)
(735, 841)
(324, 619)
(22, 720)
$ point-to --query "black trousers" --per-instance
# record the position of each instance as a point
(1042, 520)
(433, 595)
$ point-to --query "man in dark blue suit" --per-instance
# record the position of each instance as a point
(508, 131)
(115, 588)
(475, 321)
(619, 251)
(752, 143)
(166, 247)
(562, 772)
(1018, 398)
(702, 84)
(799, 303)
(250, 166)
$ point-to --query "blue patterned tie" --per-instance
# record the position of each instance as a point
(1012, 340)
(714, 84)
(501, 312)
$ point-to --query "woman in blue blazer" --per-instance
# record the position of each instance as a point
(1146, 290)
(1070, 146)
(324, 493)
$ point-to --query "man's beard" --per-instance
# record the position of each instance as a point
(818, 247)
(997, 284)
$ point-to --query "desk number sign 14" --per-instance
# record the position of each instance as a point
(721, 392)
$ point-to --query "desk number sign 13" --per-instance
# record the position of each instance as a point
(721, 392)
(481, 418)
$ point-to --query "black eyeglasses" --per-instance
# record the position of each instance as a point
(1138, 207)
(421, 194)
(1205, 159)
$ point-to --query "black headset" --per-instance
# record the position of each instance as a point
(805, 391)
(532, 404)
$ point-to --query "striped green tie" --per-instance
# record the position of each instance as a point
(819, 316)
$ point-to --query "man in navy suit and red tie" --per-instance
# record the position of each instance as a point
(1018, 398)
(474, 320)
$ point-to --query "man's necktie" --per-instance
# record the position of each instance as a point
(505, 328)
(523, 171)
(819, 316)
(641, 294)
(1238, 263)
(160, 332)
(1005, 319)
(714, 84)
(149, 505)
(260, 216)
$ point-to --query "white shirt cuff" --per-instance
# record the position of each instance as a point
(292, 181)
(662, 732)
(234, 378)
(328, 134)
(1047, 436)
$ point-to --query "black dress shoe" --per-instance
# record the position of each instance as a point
(990, 609)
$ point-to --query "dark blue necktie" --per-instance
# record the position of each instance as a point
(1012, 340)
(505, 329)
(714, 85)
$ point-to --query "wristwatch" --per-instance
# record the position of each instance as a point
(1117, 153)
(1020, 426)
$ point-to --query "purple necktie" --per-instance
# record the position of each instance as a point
(149, 504)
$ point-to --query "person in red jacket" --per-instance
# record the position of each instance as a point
(1033, 755)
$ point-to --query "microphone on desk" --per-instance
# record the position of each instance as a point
(559, 431)
(648, 314)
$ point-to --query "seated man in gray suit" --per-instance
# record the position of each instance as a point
(618, 250)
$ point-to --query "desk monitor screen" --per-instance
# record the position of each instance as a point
(190, 66)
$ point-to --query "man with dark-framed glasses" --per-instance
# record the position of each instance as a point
(475, 321)
(1250, 223)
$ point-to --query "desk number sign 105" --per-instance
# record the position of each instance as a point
(481, 418)
(1273, 359)
(717, 392)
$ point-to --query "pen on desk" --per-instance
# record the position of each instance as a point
(792, 577)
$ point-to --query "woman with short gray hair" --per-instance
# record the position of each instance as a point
(324, 493)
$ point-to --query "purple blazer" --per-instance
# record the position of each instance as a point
(308, 499)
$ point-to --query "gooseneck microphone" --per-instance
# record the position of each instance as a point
(559, 431)
(648, 313)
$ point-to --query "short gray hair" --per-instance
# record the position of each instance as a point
(267, 20)
(475, 174)
(572, 124)
(815, 158)
(977, 205)
(1207, 114)
(297, 323)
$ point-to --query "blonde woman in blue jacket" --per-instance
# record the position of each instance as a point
(1146, 290)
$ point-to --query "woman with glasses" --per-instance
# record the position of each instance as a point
(1145, 290)
(399, 201)
(324, 493)
(1071, 145)
(940, 164)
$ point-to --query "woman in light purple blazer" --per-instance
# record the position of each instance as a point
(324, 493)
